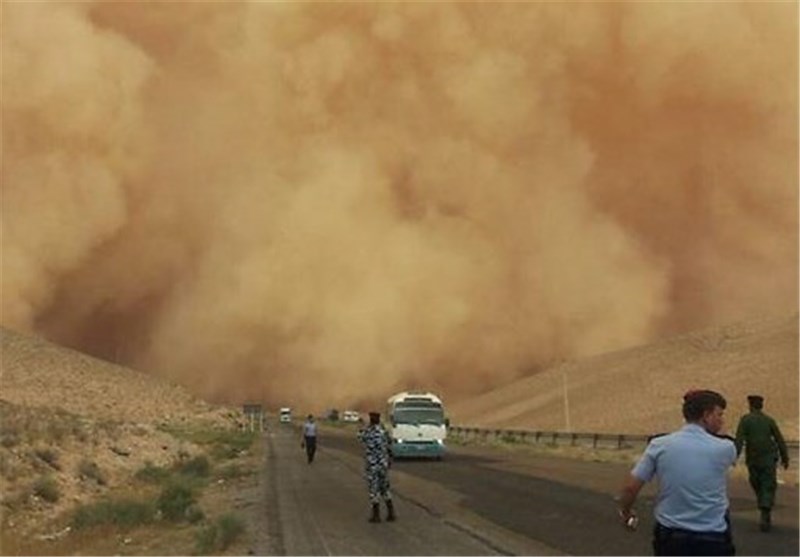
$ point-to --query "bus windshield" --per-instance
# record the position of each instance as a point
(432, 415)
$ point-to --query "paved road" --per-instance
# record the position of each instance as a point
(322, 509)
(477, 501)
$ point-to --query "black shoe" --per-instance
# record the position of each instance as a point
(765, 524)
(391, 517)
(376, 513)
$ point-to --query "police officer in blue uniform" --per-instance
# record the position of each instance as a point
(377, 460)
(309, 441)
(691, 465)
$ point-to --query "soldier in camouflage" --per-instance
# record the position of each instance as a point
(763, 442)
(377, 460)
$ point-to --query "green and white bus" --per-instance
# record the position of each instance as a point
(417, 425)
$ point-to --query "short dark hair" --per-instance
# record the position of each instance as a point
(756, 401)
(697, 403)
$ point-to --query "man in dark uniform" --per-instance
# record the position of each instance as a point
(763, 442)
(376, 466)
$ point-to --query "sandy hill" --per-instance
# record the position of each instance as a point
(37, 373)
(81, 427)
(639, 390)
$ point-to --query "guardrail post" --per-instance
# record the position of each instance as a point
(619, 441)
(594, 440)
(574, 437)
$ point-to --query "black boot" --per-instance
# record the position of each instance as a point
(766, 520)
(376, 513)
(390, 507)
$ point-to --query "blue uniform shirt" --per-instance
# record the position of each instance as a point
(691, 465)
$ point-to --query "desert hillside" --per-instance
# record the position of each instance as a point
(75, 429)
(37, 373)
(639, 390)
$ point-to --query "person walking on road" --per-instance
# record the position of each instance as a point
(763, 443)
(691, 464)
(377, 460)
(309, 441)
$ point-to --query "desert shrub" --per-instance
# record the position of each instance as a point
(49, 456)
(125, 513)
(509, 438)
(89, 469)
(10, 469)
(197, 467)
(10, 438)
(175, 499)
(222, 443)
(205, 542)
(219, 535)
(194, 514)
(151, 473)
(229, 528)
(233, 471)
(230, 444)
(46, 488)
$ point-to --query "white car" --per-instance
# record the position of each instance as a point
(285, 415)
(351, 416)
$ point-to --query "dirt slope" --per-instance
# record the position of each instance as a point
(639, 390)
(85, 424)
(37, 373)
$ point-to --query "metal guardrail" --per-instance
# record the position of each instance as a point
(616, 441)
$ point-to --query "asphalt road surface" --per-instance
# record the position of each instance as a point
(477, 501)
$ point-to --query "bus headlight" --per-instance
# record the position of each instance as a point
(398, 441)
(440, 441)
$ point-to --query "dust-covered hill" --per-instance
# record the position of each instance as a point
(639, 390)
(37, 373)
(76, 430)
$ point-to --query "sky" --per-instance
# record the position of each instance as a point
(323, 204)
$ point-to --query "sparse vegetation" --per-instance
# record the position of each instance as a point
(194, 514)
(197, 467)
(9, 438)
(222, 444)
(150, 473)
(206, 540)
(46, 488)
(219, 535)
(45, 449)
(233, 471)
(175, 500)
(90, 470)
(48, 456)
(229, 528)
(124, 513)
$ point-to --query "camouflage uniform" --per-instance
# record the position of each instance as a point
(376, 462)
(763, 443)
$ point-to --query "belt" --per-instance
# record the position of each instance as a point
(665, 533)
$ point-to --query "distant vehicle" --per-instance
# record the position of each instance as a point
(285, 415)
(351, 416)
(417, 425)
(332, 415)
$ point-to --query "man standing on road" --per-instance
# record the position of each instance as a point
(691, 465)
(764, 442)
(309, 438)
(376, 466)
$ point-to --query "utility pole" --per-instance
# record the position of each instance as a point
(566, 399)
